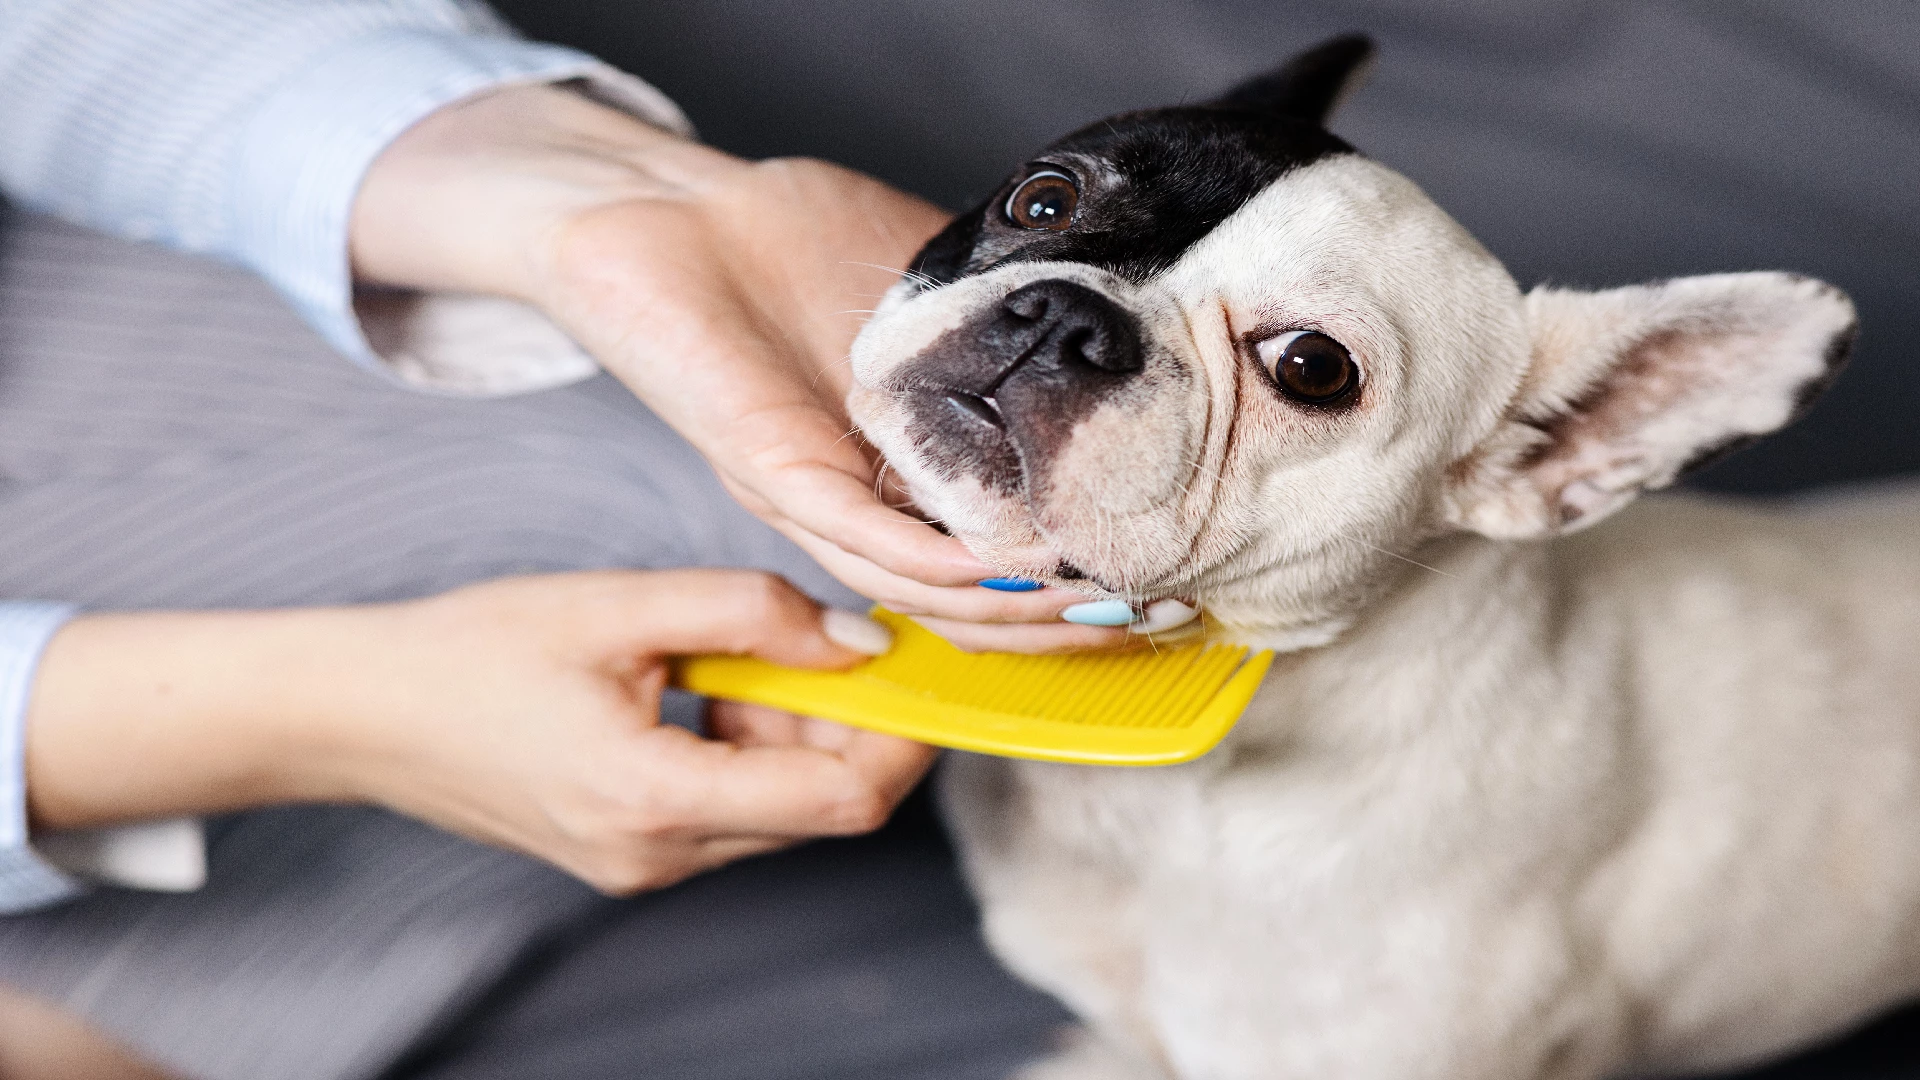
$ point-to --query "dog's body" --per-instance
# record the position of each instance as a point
(1645, 798)
(1636, 799)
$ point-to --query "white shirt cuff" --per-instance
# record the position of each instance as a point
(38, 871)
(26, 880)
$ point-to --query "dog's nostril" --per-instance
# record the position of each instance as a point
(1081, 346)
(1027, 304)
(1064, 326)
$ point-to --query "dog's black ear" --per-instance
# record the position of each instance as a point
(1308, 86)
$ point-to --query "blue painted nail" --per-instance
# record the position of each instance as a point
(1009, 584)
(1100, 613)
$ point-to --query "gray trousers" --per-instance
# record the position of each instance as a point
(172, 436)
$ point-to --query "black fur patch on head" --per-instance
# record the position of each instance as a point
(1151, 185)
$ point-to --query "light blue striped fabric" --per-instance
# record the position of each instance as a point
(239, 129)
(26, 881)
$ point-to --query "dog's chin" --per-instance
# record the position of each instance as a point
(971, 479)
(1002, 531)
(998, 530)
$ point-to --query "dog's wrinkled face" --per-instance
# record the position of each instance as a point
(1211, 352)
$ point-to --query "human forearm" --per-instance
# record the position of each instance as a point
(523, 712)
(140, 716)
(471, 198)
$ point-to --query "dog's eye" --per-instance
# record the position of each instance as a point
(1309, 367)
(1044, 200)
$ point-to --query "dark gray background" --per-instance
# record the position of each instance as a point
(1591, 143)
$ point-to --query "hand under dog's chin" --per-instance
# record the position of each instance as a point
(1001, 531)
(1009, 541)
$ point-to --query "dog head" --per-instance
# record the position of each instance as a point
(1212, 352)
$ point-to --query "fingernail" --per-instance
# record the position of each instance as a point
(1009, 584)
(1163, 615)
(856, 632)
(1100, 613)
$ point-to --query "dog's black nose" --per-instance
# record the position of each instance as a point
(1071, 326)
(1003, 392)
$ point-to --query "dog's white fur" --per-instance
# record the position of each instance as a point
(1517, 803)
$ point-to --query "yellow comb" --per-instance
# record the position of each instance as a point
(1138, 708)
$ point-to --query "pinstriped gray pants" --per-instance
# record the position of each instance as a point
(170, 435)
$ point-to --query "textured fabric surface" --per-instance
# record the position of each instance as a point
(172, 435)
(242, 128)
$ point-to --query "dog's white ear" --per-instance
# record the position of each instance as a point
(1630, 388)
(1310, 85)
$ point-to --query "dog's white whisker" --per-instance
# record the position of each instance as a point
(1395, 555)
(913, 275)
(820, 374)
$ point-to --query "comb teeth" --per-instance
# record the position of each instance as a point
(1142, 708)
(1162, 689)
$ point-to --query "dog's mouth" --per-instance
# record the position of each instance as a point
(974, 433)
(979, 406)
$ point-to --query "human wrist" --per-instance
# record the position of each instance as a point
(468, 199)
(145, 715)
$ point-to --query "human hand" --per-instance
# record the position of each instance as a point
(724, 293)
(522, 712)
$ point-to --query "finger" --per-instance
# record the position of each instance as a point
(826, 735)
(1034, 638)
(664, 865)
(840, 507)
(891, 764)
(720, 789)
(965, 603)
(718, 851)
(743, 724)
(735, 612)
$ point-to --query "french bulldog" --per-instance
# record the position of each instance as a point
(1525, 795)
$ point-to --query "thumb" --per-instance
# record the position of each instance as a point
(748, 613)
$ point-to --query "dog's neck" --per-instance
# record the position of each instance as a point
(1468, 607)
(1265, 609)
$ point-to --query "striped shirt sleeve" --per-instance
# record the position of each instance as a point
(242, 128)
(26, 879)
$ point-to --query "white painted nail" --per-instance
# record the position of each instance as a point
(856, 632)
(1164, 615)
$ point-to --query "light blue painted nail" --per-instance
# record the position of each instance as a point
(1100, 613)
(1009, 584)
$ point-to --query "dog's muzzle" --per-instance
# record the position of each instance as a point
(1024, 372)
